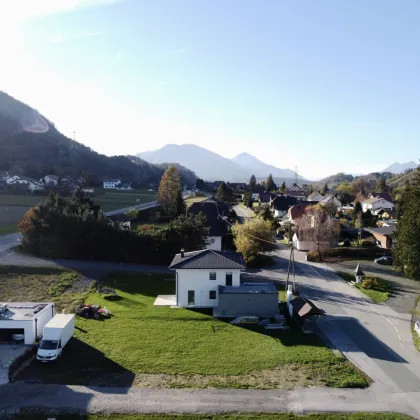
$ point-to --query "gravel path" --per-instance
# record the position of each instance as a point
(132, 400)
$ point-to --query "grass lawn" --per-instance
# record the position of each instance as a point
(6, 229)
(192, 200)
(40, 284)
(20, 200)
(231, 416)
(157, 225)
(161, 347)
(112, 200)
(378, 295)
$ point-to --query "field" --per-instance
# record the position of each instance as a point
(13, 207)
(161, 347)
(233, 416)
(192, 200)
(378, 295)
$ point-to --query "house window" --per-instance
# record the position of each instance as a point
(191, 297)
(212, 294)
(229, 279)
(212, 276)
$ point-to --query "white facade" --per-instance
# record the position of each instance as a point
(280, 214)
(32, 327)
(193, 286)
(111, 183)
(312, 245)
(50, 180)
(12, 179)
(214, 242)
(380, 203)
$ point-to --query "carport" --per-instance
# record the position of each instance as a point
(26, 318)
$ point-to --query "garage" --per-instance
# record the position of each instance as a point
(23, 321)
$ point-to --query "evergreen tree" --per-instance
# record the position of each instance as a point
(200, 184)
(407, 249)
(283, 187)
(252, 182)
(381, 185)
(269, 184)
(169, 188)
(325, 189)
(248, 199)
(225, 194)
(181, 206)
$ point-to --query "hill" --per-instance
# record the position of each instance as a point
(399, 168)
(205, 163)
(30, 145)
(262, 170)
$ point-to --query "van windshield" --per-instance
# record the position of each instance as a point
(48, 344)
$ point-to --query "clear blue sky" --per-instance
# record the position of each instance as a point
(327, 85)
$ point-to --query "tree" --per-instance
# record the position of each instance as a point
(317, 226)
(181, 206)
(345, 187)
(225, 194)
(252, 237)
(200, 184)
(248, 199)
(325, 189)
(407, 248)
(269, 184)
(266, 214)
(330, 208)
(381, 185)
(132, 213)
(283, 187)
(252, 182)
(169, 188)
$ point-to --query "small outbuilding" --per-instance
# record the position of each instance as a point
(256, 299)
(27, 318)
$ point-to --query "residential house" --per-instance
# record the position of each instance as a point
(375, 204)
(124, 186)
(385, 195)
(315, 196)
(12, 179)
(212, 186)
(124, 220)
(331, 199)
(237, 186)
(264, 198)
(386, 214)
(281, 204)
(384, 235)
(303, 240)
(111, 184)
(297, 211)
(216, 213)
(200, 273)
(88, 190)
(49, 179)
(32, 184)
(296, 192)
(256, 191)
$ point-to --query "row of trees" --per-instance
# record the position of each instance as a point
(269, 184)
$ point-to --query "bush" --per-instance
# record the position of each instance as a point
(313, 256)
(370, 283)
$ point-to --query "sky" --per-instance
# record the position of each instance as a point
(328, 86)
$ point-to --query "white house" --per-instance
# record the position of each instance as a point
(331, 198)
(12, 179)
(124, 186)
(26, 318)
(111, 183)
(50, 179)
(32, 184)
(315, 196)
(373, 204)
(200, 273)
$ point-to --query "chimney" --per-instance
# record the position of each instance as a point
(182, 253)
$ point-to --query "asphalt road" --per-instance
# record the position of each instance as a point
(243, 213)
(7, 242)
(374, 337)
(131, 400)
(404, 291)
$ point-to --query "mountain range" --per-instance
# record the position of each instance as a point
(399, 168)
(212, 167)
(30, 145)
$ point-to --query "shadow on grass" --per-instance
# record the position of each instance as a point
(80, 364)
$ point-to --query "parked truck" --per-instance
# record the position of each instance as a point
(57, 333)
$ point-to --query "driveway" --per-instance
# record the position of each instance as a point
(243, 213)
(8, 353)
(404, 291)
(7, 242)
(135, 400)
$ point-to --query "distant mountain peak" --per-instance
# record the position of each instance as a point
(398, 168)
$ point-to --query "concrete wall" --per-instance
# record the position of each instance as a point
(264, 305)
(214, 242)
(43, 317)
(198, 280)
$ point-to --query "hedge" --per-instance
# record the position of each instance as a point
(351, 253)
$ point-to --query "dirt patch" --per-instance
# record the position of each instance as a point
(289, 376)
(83, 284)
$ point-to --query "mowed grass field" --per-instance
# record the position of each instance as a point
(13, 207)
(166, 347)
(233, 416)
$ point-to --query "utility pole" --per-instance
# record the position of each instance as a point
(291, 264)
(296, 174)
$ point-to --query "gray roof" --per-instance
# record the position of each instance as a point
(249, 288)
(23, 311)
(386, 231)
(208, 258)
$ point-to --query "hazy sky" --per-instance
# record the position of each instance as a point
(327, 85)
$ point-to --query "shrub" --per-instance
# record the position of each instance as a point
(370, 283)
(313, 256)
